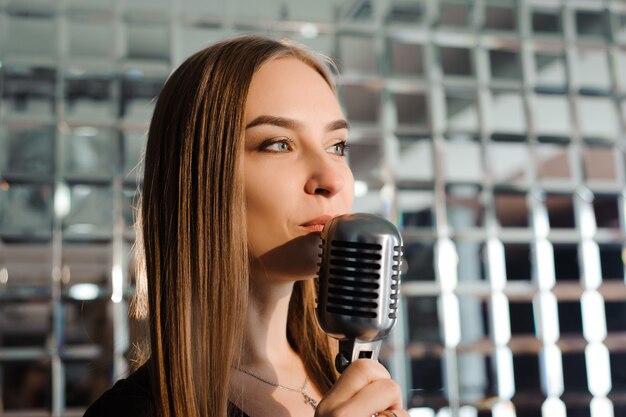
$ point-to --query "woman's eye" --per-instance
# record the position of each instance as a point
(339, 148)
(281, 145)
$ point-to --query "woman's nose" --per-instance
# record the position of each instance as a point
(325, 178)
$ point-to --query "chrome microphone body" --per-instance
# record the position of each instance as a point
(359, 284)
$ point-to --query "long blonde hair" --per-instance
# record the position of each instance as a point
(194, 235)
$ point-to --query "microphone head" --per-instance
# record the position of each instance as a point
(359, 277)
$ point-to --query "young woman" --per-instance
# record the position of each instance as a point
(245, 163)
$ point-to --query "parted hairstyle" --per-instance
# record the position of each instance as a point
(193, 227)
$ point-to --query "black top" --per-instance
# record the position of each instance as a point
(132, 397)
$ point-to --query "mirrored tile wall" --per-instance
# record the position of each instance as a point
(492, 131)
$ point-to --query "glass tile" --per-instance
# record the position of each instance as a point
(30, 388)
(574, 373)
(86, 264)
(403, 11)
(411, 109)
(473, 315)
(552, 115)
(566, 263)
(148, 42)
(419, 259)
(25, 323)
(511, 209)
(527, 379)
(362, 103)
(472, 263)
(91, 213)
(517, 260)
(91, 154)
(37, 35)
(570, 318)
(364, 159)
(598, 117)
(615, 312)
(87, 323)
(560, 211)
(461, 111)
(546, 22)
(89, 98)
(414, 159)
(357, 54)
(521, 317)
(28, 91)
(500, 18)
(25, 270)
(592, 70)
(464, 206)
(550, 71)
(427, 382)
(25, 212)
(507, 114)
(599, 163)
(138, 93)
(406, 58)
(454, 14)
(505, 64)
(28, 153)
(591, 24)
(509, 162)
(462, 161)
(424, 319)
(612, 262)
(93, 39)
(477, 379)
(553, 161)
(606, 209)
(456, 61)
(416, 208)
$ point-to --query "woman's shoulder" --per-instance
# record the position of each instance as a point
(131, 396)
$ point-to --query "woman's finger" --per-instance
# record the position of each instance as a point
(380, 395)
(392, 413)
(354, 378)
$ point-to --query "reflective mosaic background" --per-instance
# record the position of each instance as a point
(492, 131)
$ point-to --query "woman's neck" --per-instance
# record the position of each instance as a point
(265, 336)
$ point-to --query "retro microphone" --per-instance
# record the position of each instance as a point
(359, 284)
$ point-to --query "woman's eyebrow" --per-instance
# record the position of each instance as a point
(293, 124)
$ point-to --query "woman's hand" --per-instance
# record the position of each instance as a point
(364, 389)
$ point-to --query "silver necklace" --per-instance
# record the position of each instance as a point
(307, 397)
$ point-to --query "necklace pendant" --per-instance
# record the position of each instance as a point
(309, 400)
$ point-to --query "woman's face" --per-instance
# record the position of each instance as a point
(295, 172)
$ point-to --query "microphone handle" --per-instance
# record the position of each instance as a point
(353, 349)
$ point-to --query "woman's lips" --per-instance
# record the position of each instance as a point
(316, 224)
(317, 228)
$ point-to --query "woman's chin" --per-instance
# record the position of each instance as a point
(297, 259)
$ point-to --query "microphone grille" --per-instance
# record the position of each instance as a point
(395, 282)
(354, 274)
